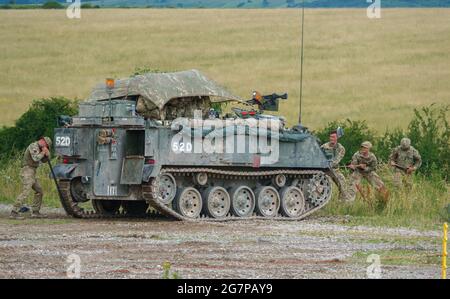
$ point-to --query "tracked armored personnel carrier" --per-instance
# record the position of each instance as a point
(161, 143)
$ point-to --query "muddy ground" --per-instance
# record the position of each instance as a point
(313, 248)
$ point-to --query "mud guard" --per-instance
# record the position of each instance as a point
(63, 171)
(150, 171)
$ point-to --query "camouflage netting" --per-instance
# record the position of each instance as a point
(167, 95)
(179, 107)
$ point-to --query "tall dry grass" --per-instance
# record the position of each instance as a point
(355, 67)
(10, 183)
(423, 205)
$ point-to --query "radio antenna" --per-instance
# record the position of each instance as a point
(301, 64)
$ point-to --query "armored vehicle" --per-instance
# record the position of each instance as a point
(162, 143)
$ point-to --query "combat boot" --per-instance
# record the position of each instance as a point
(36, 214)
(16, 215)
(24, 209)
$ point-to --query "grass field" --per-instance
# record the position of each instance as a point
(355, 67)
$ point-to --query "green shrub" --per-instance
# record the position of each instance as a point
(387, 142)
(429, 132)
(52, 5)
(20, 6)
(89, 6)
(38, 121)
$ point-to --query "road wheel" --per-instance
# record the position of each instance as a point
(242, 201)
(188, 202)
(267, 201)
(216, 202)
(167, 188)
(78, 190)
(292, 202)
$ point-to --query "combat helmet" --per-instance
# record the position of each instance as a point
(366, 144)
(405, 143)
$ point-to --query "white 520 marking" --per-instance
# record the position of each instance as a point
(182, 147)
(62, 141)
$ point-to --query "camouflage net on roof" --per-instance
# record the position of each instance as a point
(160, 88)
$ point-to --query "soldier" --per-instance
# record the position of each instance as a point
(404, 159)
(334, 152)
(364, 164)
(35, 153)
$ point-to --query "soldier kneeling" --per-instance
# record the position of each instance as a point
(405, 159)
(364, 164)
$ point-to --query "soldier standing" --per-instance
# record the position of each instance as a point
(334, 152)
(364, 164)
(35, 153)
(405, 159)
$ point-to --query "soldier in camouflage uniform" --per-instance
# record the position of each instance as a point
(404, 159)
(364, 164)
(334, 152)
(35, 153)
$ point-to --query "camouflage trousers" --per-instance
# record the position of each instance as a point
(355, 181)
(341, 184)
(29, 182)
(402, 179)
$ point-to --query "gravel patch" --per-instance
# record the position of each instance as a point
(124, 248)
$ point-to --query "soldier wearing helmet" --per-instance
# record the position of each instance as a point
(364, 164)
(404, 159)
(36, 153)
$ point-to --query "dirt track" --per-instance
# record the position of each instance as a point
(314, 248)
